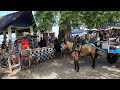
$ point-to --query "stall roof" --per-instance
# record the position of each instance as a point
(104, 26)
(76, 31)
(21, 18)
(110, 25)
(111, 28)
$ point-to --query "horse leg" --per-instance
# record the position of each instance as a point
(94, 58)
(61, 54)
(93, 63)
(75, 64)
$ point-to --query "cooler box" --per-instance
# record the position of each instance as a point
(112, 51)
(25, 44)
(117, 50)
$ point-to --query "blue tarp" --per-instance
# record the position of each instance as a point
(76, 31)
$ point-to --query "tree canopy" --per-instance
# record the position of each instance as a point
(45, 20)
(68, 19)
(93, 19)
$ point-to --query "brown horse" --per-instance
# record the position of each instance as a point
(83, 50)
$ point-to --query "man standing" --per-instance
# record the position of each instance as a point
(40, 43)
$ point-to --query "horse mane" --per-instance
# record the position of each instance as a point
(69, 41)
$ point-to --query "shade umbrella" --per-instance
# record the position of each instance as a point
(76, 31)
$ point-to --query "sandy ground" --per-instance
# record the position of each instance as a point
(63, 68)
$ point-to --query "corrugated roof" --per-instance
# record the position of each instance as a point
(21, 18)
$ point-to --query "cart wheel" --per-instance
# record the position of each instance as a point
(25, 62)
(4, 63)
(111, 58)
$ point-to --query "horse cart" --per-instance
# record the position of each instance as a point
(19, 55)
(110, 45)
(33, 52)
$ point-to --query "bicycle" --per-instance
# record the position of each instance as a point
(25, 62)
(15, 57)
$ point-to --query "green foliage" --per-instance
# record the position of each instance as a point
(45, 20)
(93, 19)
(69, 17)
(90, 19)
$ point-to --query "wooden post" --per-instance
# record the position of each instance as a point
(38, 34)
(4, 34)
(31, 30)
(9, 64)
(16, 33)
(9, 33)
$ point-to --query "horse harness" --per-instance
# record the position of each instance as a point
(76, 45)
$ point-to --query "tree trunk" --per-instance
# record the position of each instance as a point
(61, 34)
(67, 32)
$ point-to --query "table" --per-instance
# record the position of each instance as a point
(44, 53)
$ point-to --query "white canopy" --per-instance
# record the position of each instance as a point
(110, 28)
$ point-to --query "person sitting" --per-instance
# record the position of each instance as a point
(118, 40)
(76, 42)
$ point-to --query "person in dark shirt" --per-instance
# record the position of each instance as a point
(76, 42)
(44, 43)
(40, 43)
(57, 46)
(101, 36)
(3, 46)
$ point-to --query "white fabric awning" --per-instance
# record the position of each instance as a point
(110, 28)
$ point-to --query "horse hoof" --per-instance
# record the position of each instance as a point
(76, 70)
(93, 67)
(117, 66)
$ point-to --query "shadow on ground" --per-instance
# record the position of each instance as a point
(63, 68)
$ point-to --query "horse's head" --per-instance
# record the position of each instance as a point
(64, 45)
(68, 45)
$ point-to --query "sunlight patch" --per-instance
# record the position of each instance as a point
(101, 77)
(53, 75)
(55, 63)
(9, 77)
(111, 69)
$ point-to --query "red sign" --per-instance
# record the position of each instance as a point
(25, 44)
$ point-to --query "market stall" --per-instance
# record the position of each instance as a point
(29, 44)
